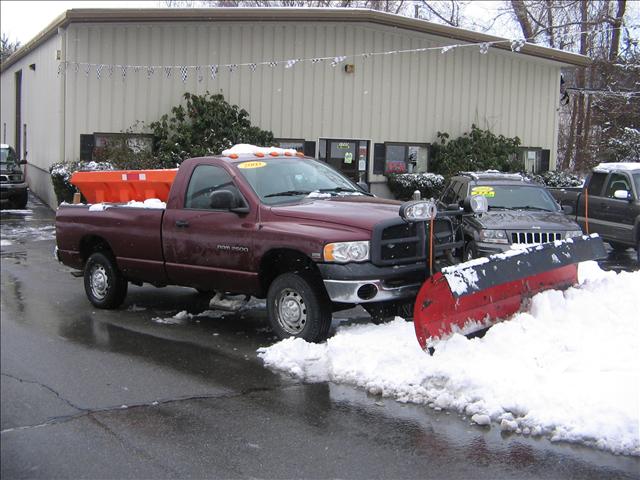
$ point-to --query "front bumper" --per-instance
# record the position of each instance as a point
(365, 283)
(9, 191)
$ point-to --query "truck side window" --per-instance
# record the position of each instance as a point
(461, 191)
(596, 183)
(204, 180)
(617, 181)
(449, 196)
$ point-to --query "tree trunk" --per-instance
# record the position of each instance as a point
(522, 15)
(617, 26)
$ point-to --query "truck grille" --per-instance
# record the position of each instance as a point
(397, 242)
(535, 238)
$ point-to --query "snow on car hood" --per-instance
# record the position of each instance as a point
(356, 211)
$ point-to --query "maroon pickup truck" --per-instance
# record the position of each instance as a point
(289, 229)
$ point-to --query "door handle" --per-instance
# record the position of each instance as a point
(182, 223)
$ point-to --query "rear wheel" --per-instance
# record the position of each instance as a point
(103, 283)
(20, 202)
(299, 307)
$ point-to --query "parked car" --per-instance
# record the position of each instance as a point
(13, 188)
(521, 213)
(288, 228)
(608, 204)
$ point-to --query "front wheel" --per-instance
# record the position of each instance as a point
(299, 307)
(470, 251)
(103, 283)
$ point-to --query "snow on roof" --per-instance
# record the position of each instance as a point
(4, 145)
(247, 149)
(609, 167)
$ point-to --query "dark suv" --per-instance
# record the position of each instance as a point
(521, 213)
(13, 188)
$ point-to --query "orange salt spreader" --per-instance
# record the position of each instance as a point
(124, 185)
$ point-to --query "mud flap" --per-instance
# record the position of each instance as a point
(470, 297)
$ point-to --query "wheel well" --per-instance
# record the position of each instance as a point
(91, 244)
(277, 262)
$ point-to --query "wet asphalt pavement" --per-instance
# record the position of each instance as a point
(114, 394)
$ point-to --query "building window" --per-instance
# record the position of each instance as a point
(406, 157)
(92, 146)
(534, 160)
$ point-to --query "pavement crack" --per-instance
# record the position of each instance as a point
(46, 387)
(89, 412)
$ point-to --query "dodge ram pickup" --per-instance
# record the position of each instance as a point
(277, 226)
(608, 204)
(521, 213)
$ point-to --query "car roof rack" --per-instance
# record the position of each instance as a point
(493, 174)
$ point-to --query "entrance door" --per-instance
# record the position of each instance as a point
(350, 157)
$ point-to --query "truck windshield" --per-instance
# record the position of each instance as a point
(280, 180)
(636, 180)
(8, 159)
(516, 197)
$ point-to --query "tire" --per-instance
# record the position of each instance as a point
(618, 247)
(470, 251)
(298, 307)
(20, 202)
(103, 283)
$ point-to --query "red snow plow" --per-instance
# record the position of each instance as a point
(470, 297)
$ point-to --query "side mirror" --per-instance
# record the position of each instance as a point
(567, 209)
(221, 200)
(622, 195)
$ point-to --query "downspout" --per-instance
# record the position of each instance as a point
(63, 92)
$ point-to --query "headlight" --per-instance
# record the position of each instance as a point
(573, 233)
(344, 252)
(493, 236)
(418, 210)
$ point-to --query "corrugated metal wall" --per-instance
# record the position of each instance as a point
(397, 97)
(401, 97)
(41, 113)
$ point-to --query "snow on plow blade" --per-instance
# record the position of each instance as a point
(474, 295)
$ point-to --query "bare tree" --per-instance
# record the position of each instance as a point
(7, 47)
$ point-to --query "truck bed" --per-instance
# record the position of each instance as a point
(144, 260)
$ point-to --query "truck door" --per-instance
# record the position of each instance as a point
(206, 248)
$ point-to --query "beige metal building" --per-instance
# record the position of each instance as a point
(363, 90)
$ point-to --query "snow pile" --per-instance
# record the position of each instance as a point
(183, 317)
(246, 149)
(567, 369)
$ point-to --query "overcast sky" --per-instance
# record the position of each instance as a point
(23, 20)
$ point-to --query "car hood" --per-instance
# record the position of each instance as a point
(355, 211)
(525, 220)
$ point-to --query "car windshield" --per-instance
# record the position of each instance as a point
(516, 197)
(281, 180)
(636, 180)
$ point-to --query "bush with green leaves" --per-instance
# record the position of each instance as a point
(475, 151)
(206, 125)
(402, 185)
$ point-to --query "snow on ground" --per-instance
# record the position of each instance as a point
(5, 243)
(22, 234)
(567, 369)
(183, 317)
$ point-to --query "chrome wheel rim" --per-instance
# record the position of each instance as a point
(99, 282)
(292, 311)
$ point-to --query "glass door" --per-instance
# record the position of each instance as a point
(350, 157)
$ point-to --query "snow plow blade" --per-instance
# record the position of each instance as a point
(470, 297)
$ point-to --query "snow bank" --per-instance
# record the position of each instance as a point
(567, 369)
